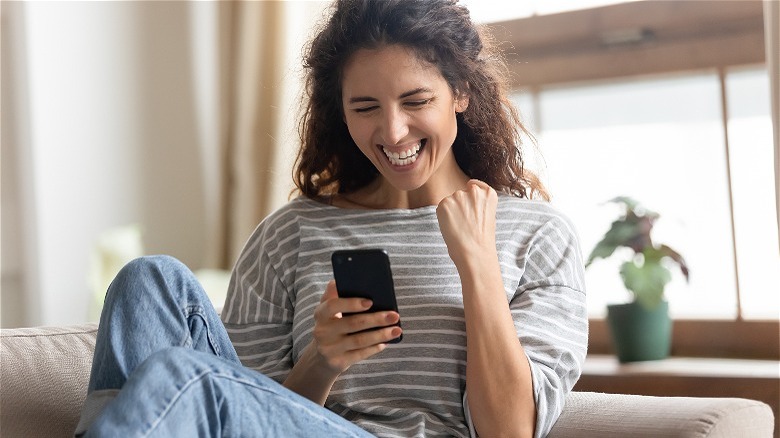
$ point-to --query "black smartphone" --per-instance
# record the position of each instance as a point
(365, 273)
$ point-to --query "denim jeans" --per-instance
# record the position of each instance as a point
(162, 345)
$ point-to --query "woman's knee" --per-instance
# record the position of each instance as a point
(144, 278)
(150, 265)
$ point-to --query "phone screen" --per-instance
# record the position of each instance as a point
(365, 273)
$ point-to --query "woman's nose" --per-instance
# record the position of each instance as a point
(394, 127)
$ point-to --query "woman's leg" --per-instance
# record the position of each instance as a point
(153, 303)
(181, 392)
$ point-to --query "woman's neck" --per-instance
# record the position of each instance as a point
(379, 194)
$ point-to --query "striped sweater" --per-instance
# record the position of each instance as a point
(416, 388)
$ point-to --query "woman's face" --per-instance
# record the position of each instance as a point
(400, 112)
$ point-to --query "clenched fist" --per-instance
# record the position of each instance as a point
(467, 219)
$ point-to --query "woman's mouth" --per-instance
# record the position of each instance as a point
(404, 157)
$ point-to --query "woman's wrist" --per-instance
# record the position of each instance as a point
(475, 265)
(310, 376)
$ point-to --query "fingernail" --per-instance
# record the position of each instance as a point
(396, 332)
(366, 304)
(391, 317)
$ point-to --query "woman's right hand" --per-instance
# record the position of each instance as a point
(337, 343)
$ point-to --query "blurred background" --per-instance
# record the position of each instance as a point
(136, 127)
(169, 127)
(133, 128)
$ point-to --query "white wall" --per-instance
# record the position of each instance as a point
(113, 113)
(100, 118)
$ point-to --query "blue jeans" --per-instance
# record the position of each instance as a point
(162, 345)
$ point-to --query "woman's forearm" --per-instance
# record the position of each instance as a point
(498, 376)
(309, 379)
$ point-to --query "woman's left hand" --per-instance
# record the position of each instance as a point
(467, 220)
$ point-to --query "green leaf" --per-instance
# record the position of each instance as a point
(652, 255)
(629, 202)
(619, 234)
(647, 281)
(647, 274)
(674, 255)
(634, 208)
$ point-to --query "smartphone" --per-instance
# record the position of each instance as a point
(365, 273)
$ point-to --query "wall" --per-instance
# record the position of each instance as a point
(104, 125)
(114, 114)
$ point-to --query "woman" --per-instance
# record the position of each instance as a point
(409, 144)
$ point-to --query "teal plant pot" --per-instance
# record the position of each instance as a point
(639, 334)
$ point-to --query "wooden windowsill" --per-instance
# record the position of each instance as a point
(740, 339)
(607, 365)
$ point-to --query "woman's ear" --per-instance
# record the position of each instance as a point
(461, 100)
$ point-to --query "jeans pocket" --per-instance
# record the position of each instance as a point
(200, 337)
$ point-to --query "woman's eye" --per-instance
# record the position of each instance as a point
(416, 103)
(411, 103)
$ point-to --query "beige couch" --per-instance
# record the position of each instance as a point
(44, 374)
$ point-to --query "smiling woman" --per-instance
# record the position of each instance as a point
(403, 121)
(409, 144)
(488, 134)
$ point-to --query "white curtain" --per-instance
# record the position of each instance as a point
(263, 101)
(252, 93)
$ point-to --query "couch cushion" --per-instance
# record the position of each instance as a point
(44, 373)
(596, 415)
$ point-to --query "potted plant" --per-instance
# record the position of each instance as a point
(641, 329)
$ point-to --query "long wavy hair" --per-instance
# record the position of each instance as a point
(487, 144)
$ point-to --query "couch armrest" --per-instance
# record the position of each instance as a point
(597, 415)
(44, 373)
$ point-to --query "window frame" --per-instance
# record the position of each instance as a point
(648, 38)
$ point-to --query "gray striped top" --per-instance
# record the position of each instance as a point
(417, 387)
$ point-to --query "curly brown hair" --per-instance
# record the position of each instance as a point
(487, 145)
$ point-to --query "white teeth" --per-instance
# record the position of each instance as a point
(403, 158)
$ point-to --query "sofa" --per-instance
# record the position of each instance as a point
(44, 373)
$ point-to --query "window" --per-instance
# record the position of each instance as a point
(667, 102)
(661, 141)
(489, 11)
(750, 152)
